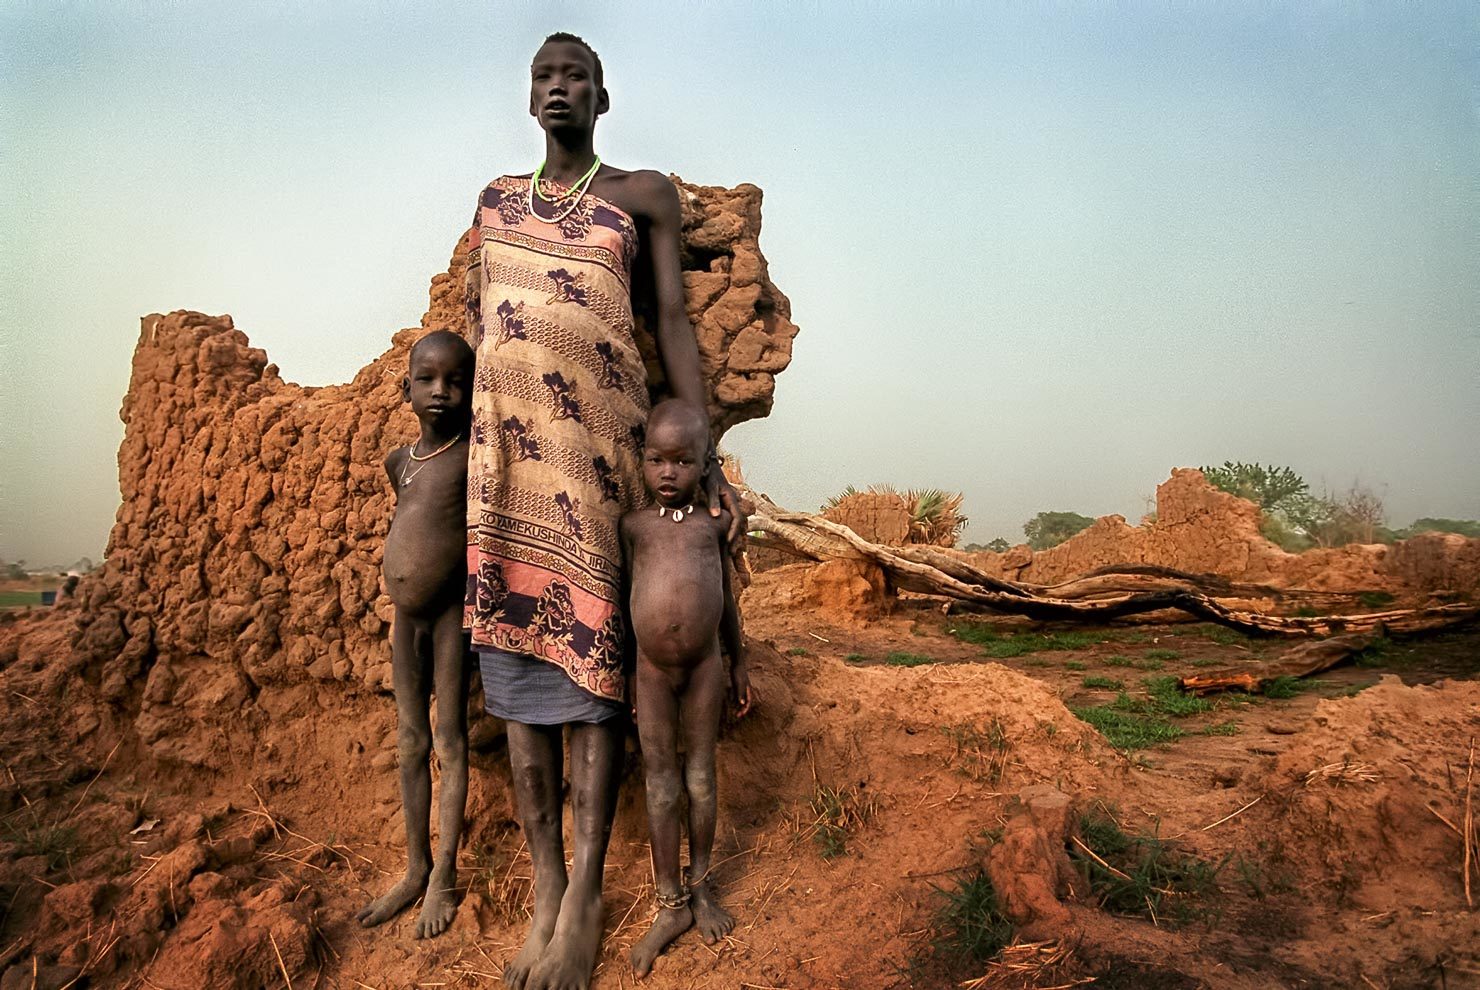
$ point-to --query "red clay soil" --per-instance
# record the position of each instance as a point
(122, 869)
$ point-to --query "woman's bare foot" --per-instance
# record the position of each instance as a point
(541, 928)
(440, 905)
(396, 900)
(667, 927)
(713, 921)
(568, 960)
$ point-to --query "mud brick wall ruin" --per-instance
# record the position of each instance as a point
(247, 549)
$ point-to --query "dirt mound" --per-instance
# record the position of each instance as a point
(246, 553)
(1363, 790)
(124, 867)
(1203, 530)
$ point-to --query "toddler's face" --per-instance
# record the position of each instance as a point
(438, 387)
(673, 463)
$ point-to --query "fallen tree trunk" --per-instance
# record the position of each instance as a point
(1301, 661)
(931, 571)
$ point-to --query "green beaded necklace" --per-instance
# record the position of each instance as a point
(574, 193)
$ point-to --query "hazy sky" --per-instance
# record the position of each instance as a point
(1038, 253)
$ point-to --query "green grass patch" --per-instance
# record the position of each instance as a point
(1124, 730)
(1075, 665)
(1024, 643)
(1160, 654)
(1208, 662)
(1099, 681)
(899, 659)
(1287, 687)
(1120, 660)
(975, 633)
(968, 929)
(1229, 728)
(1136, 723)
(1143, 875)
(854, 658)
(1163, 697)
(1035, 662)
(798, 651)
(1222, 635)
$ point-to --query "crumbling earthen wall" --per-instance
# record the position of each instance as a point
(247, 548)
(1203, 530)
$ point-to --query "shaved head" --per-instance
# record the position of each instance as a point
(680, 414)
(443, 340)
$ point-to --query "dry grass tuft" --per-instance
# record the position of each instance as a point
(1345, 772)
(1030, 966)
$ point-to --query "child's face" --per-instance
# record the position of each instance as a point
(673, 462)
(438, 387)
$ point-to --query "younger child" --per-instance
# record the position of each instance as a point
(681, 608)
(425, 571)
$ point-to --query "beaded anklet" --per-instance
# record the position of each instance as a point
(672, 902)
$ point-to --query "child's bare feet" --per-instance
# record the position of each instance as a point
(713, 921)
(440, 905)
(394, 901)
(567, 962)
(667, 927)
(541, 928)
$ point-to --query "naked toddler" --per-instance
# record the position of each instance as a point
(681, 608)
(425, 571)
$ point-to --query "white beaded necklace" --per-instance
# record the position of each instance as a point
(678, 514)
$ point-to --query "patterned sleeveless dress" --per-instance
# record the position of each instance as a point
(559, 405)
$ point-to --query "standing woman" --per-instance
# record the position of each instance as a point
(559, 402)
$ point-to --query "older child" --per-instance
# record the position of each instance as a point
(681, 608)
(426, 573)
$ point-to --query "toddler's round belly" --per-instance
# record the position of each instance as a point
(676, 632)
(423, 574)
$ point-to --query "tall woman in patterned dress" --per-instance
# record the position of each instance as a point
(559, 403)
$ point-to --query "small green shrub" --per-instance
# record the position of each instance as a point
(1143, 874)
(970, 928)
(798, 651)
(899, 659)
(1160, 654)
(1075, 665)
(1098, 681)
